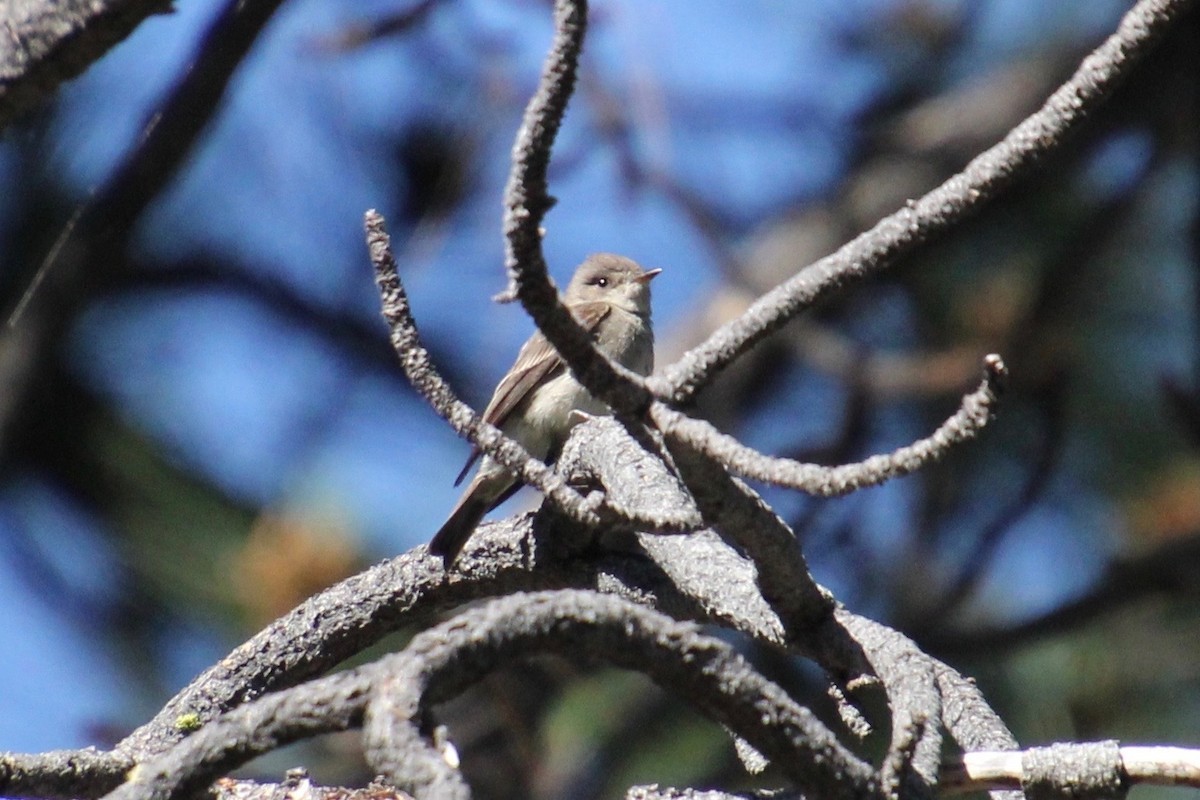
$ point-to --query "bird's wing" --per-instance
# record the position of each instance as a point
(537, 360)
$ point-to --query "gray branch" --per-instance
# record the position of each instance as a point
(920, 221)
(421, 373)
(526, 201)
(975, 412)
(392, 693)
(701, 670)
(47, 42)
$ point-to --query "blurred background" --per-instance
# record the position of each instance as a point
(202, 423)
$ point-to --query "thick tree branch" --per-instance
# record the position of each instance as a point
(346, 618)
(442, 661)
(725, 586)
(744, 519)
(640, 491)
(703, 671)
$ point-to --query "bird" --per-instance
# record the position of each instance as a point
(535, 401)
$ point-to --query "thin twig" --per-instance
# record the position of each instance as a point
(976, 410)
(424, 377)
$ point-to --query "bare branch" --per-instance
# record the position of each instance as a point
(702, 670)
(974, 413)
(741, 516)
(346, 618)
(48, 42)
(971, 721)
(986, 176)
(442, 661)
(640, 491)
(1153, 766)
(526, 201)
(61, 773)
(333, 703)
(332, 626)
(909, 677)
(418, 366)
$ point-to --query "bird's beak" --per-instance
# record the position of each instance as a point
(647, 276)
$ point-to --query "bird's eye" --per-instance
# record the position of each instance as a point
(601, 282)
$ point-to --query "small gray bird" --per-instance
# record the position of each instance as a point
(609, 296)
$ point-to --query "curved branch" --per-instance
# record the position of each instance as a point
(702, 670)
(526, 201)
(442, 661)
(421, 373)
(975, 412)
(346, 618)
(986, 176)
(334, 703)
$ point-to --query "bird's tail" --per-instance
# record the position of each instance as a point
(449, 540)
